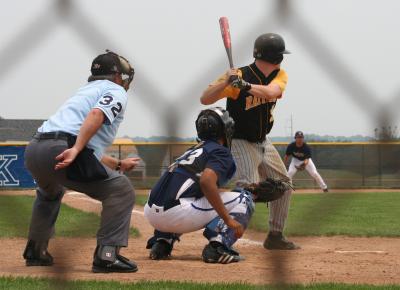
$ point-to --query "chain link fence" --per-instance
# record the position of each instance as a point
(342, 165)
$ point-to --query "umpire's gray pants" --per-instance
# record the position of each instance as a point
(115, 193)
(255, 162)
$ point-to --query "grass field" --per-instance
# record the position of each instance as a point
(352, 214)
(41, 283)
(15, 214)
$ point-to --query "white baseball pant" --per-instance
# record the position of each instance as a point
(191, 215)
(311, 169)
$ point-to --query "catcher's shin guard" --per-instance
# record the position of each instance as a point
(217, 230)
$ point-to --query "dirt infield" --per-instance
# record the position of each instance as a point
(321, 259)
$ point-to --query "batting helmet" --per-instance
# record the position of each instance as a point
(270, 47)
(106, 65)
(215, 123)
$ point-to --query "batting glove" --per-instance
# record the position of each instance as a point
(240, 83)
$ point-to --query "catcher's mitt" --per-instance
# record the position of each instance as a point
(268, 190)
(301, 166)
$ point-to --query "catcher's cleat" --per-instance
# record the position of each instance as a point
(276, 241)
(36, 254)
(326, 190)
(107, 260)
(216, 252)
(160, 250)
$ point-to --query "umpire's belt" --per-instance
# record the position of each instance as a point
(54, 135)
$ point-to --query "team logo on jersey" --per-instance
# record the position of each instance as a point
(252, 102)
(298, 154)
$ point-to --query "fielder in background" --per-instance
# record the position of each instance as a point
(68, 151)
(188, 197)
(252, 92)
(301, 159)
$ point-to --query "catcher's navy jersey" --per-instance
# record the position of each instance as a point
(182, 178)
(301, 153)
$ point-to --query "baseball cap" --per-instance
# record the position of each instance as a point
(299, 134)
(106, 64)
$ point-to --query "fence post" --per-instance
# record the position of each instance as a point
(362, 165)
(380, 165)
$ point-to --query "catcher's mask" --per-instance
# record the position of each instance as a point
(106, 65)
(270, 47)
(215, 123)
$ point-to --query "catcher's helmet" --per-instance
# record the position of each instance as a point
(270, 47)
(106, 65)
(215, 123)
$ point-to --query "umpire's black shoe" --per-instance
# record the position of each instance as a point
(326, 190)
(107, 260)
(216, 252)
(161, 250)
(276, 241)
(36, 254)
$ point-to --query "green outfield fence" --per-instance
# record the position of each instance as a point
(342, 165)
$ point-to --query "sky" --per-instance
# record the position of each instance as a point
(343, 70)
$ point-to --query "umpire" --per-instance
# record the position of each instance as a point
(68, 151)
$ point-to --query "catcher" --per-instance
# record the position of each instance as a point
(188, 196)
(301, 159)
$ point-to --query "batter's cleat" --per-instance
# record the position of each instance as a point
(107, 260)
(326, 190)
(36, 254)
(161, 250)
(276, 241)
(215, 252)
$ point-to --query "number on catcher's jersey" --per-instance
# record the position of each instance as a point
(189, 157)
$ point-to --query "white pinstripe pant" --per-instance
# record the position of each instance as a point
(255, 162)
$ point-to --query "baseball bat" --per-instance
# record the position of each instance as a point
(226, 37)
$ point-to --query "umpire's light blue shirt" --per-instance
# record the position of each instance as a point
(104, 95)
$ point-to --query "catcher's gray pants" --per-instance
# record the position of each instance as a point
(115, 193)
(255, 162)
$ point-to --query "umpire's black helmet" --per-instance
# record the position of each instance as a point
(109, 63)
(215, 123)
(270, 47)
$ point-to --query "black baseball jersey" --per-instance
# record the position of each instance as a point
(182, 178)
(301, 153)
(253, 116)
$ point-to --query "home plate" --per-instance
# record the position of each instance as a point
(248, 242)
(361, 252)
